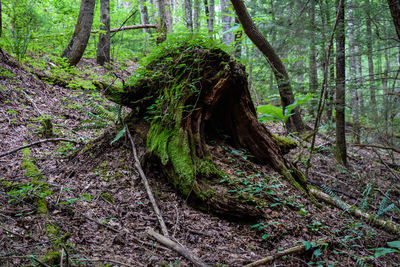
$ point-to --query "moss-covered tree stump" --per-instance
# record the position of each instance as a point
(191, 91)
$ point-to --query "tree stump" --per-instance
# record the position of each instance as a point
(189, 92)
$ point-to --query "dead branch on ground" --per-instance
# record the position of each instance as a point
(176, 247)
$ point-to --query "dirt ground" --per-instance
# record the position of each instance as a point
(99, 210)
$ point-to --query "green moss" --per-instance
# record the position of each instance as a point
(52, 258)
(107, 197)
(285, 143)
(28, 165)
(42, 206)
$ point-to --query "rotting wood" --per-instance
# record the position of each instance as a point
(176, 247)
(292, 250)
(146, 184)
(39, 142)
(368, 218)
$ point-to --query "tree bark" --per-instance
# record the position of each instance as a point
(163, 28)
(353, 74)
(76, 47)
(103, 47)
(370, 61)
(394, 6)
(196, 15)
(144, 15)
(203, 104)
(340, 89)
(294, 123)
(313, 57)
(209, 8)
(238, 40)
(1, 20)
(188, 12)
(227, 22)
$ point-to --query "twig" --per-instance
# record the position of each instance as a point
(368, 218)
(39, 142)
(385, 164)
(146, 185)
(378, 146)
(113, 261)
(292, 250)
(41, 263)
(176, 247)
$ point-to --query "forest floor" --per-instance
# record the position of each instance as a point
(98, 210)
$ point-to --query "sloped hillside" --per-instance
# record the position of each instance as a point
(82, 202)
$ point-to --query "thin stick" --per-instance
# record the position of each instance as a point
(378, 146)
(146, 185)
(292, 250)
(39, 142)
(368, 218)
(107, 260)
(176, 247)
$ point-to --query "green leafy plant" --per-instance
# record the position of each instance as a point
(271, 112)
(394, 247)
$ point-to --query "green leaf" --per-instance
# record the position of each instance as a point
(119, 135)
(307, 245)
(317, 253)
(271, 112)
(383, 251)
(394, 244)
(303, 211)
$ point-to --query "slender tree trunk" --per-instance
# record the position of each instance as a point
(103, 47)
(360, 76)
(196, 15)
(313, 56)
(353, 74)
(227, 22)
(168, 10)
(340, 89)
(394, 6)
(76, 47)
(188, 12)
(370, 62)
(1, 20)
(294, 123)
(331, 90)
(144, 15)
(238, 41)
(249, 54)
(163, 28)
(211, 17)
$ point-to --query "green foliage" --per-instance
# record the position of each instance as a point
(394, 247)
(271, 112)
(101, 116)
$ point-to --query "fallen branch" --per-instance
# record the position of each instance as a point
(378, 146)
(282, 253)
(146, 185)
(39, 142)
(369, 218)
(176, 247)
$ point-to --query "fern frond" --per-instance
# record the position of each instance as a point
(366, 195)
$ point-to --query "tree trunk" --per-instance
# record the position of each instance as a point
(163, 28)
(190, 113)
(1, 20)
(103, 47)
(227, 23)
(353, 74)
(188, 12)
(294, 123)
(313, 57)
(76, 47)
(144, 15)
(340, 89)
(196, 15)
(370, 63)
(209, 8)
(238, 41)
(394, 6)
